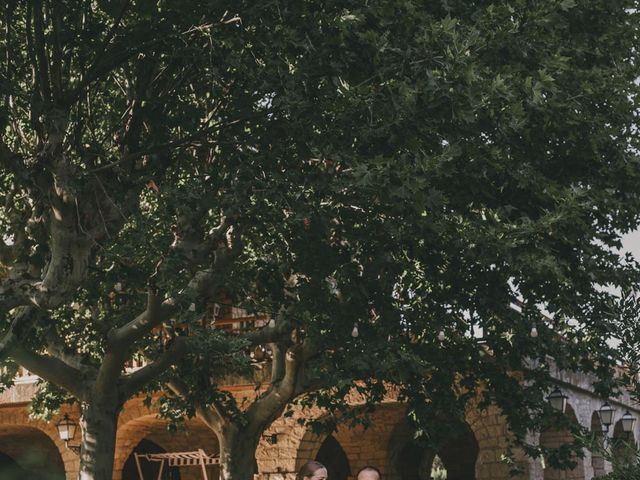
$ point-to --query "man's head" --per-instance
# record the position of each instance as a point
(369, 473)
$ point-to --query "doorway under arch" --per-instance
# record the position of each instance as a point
(332, 455)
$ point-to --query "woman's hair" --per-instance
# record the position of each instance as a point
(308, 469)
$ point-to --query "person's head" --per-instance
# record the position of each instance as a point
(312, 470)
(369, 473)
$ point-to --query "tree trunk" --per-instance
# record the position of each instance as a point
(238, 455)
(99, 422)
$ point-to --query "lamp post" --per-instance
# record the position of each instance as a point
(558, 400)
(67, 431)
(606, 412)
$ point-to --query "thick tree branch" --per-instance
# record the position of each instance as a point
(109, 61)
(8, 253)
(278, 352)
(213, 416)
(268, 334)
(56, 348)
(49, 368)
(22, 322)
(136, 381)
(157, 311)
(269, 406)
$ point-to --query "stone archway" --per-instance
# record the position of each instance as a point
(597, 460)
(28, 453)
(553, 438)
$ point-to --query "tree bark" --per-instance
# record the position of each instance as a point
(238, 454)
(99, 422)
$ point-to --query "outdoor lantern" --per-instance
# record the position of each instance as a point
(558, 400)
(627, 422)
(606, 415)
(66, 428)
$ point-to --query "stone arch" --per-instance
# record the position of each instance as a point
(28, 452)
(362, 446)
(332, 455)
(150, 428)
(597, 460)
(623, 445)
(491, 430)
(410, 459)
(554, 437)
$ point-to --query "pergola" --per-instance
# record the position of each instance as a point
(178, 459)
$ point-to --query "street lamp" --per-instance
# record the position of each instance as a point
(606, 413)
(558, 400)
(628, 421)
(67, 430)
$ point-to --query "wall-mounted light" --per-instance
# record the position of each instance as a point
(628, 421)
(67, 431)
(607, 413)
(558, 400)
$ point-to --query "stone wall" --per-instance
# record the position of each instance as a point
(386, 443)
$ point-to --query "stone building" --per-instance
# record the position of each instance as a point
(33, 449)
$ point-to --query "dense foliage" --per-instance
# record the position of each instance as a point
(407, 167)
(624, 473)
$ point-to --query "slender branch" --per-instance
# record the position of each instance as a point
(112, 31)
(8, 52)
(56, 65)
(40, 50)
(189, 141)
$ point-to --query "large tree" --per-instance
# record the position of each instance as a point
(411, 168)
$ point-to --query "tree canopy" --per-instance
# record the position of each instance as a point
(411, 169)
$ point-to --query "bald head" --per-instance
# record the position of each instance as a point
(369, 473)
